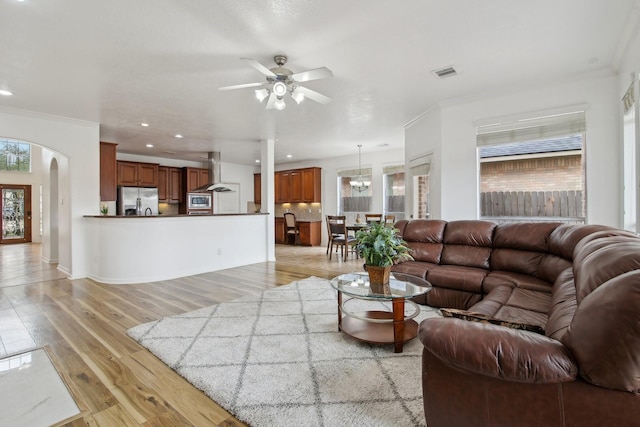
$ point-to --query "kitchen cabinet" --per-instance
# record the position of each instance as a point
(311, 185)
(257, 189)
(169, 184)
(295, 186)
(310, 232)
(108, 174)
(134, 174)
(193, 178)
(280, 230)
(299, 186)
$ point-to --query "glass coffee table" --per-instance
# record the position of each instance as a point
(377, 326)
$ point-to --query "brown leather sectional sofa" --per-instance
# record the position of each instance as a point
(579, 285)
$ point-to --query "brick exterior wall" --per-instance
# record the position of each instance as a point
(537, 174)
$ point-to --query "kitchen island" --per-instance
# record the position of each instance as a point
(137, 249)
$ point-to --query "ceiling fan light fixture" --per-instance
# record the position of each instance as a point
(279, 88)
(279, 104)
(297, 96)
(262, 94)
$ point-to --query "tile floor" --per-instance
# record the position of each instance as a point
(24, 404)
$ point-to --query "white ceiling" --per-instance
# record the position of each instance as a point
(121, 63)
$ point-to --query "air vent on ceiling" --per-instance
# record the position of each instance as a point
(445, 72)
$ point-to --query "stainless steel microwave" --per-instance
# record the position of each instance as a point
(199, 200)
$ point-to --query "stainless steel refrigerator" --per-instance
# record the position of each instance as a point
(137, 201)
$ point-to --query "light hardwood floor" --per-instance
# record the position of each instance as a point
(82, 324)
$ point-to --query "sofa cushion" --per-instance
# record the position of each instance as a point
(457, 277)
(452, 298)
(524, 236)
(603, 335)
(563, 305)
(414, 268)
(515, 305)
(497, 352)
(467, 243)
(516, 280)
(478, 317)
(601, 257)
(425, 252)
(563, 240)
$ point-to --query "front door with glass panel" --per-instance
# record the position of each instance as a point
(16, 213)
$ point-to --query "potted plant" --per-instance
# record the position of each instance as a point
(380, 247)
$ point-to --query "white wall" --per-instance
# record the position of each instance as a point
(457, 170)
(76, 147)
(426, 136)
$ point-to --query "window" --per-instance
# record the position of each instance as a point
(394, 190)
(353, 201)
(533, 169)
(420, 169)
(630, 173)
(15, 156)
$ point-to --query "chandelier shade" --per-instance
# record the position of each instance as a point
(359, 184)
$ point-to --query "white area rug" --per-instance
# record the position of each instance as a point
(277, 359)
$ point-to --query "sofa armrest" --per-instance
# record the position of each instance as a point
(497, 351)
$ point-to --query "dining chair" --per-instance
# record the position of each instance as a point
(389, 220)
(369, 218)
(291, 227)
(337, 225)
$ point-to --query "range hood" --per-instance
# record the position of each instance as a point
(213, 164)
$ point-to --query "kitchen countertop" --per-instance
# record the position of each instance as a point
(172, 216)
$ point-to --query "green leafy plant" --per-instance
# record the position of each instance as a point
(381, 246)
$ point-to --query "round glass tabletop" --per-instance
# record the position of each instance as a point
(400, 286)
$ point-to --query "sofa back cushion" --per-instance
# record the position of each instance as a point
(424, 237)
(468, 243)
(603, 334)
(563, 240)
(524, 248)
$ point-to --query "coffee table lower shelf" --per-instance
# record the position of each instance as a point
(377, 332)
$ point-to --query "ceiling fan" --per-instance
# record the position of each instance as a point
(281, 80)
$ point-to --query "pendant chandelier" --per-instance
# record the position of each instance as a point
(359, 184)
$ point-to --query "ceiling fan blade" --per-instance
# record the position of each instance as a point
(313, 95)
(315, 74)
(258, 66)
(240, 86)
(271, 101)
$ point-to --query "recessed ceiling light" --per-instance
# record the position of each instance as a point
(144, 125)
(5, 92)
(178, 136)
(149, 145)
(289, 156)
(257, 160)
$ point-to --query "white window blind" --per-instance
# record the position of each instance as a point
(392, 169)
(522, 130)
(420, 166)
(354, 172)
(628, 99)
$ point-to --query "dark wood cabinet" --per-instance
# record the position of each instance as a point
(310, 232)
(108, 174)
(194, 178)
(312, 185)
(134, 174)
(280, 230)
(295, 186)
(169, 184)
